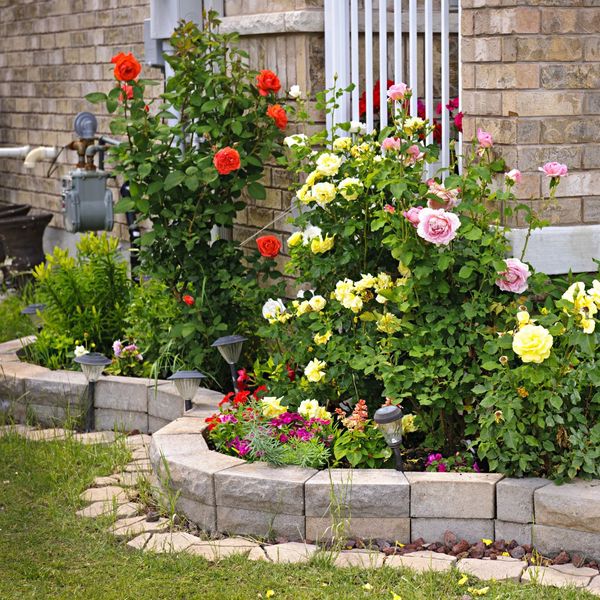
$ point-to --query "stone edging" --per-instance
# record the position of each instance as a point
(123, 403)
(229, 495)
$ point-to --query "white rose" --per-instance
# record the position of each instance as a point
(317, 303)
(80, 351)
(358, 127)
(272, 309)
(295, 92)
(311, 232)
(298, 139)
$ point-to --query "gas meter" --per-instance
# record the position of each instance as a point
(87, 202)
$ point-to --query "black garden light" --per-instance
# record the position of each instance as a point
(389, 421)
(92, 364)
(230, 347)
(33, 311)
(187, 382)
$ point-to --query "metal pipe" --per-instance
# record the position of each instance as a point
(41, 153)
(90, 418)
(398, 458)
(18, 152)
(233, 370)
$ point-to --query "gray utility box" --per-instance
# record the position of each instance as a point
(87, 202)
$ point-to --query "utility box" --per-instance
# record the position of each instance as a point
(87, 202)
(166, 14)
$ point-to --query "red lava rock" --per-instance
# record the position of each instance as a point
(517, 552)
(281, 540)
(462, 546)
(578, 560)
(512, 544)
(418, 542)
(493, 556)
(561, 559)
(528, 548)
(390, 550)
(152, 516)
(450, 539)
(411, 547)
(382, 544)
(499, 545)
(477, 551)
(462, 555)
(442, 549)
(349, 544)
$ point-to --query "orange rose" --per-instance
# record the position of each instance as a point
(278, 114)
(268, 245)
(267, 81)
(227, 160)
(126, 66)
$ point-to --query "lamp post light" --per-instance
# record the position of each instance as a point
(187, 382)
(230, 347)
(389, 420)
(92, 365)
(33, 312)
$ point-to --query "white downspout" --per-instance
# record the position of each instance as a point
(41, 153)
(19, 152)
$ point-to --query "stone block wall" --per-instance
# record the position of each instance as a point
(531, 77)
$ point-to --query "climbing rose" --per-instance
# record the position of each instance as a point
(554, 169)
(268, 245)
(227, 160)
(484, 138)
(277, 113)
(390, 143)
(412, 215)
(437, 226)
(514, 278)
(126, 66)
(189, 300)
(397, 91)
(126, 93)
(267, 81)
(514, 175)
(532, 343)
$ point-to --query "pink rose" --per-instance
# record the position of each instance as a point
(388, 208)
(447, 198)
(390, 144)
(484, 138)
(514, 175)
(437, 226)
(412, 215)
(514, 279)
(554, 169)
(413, 155)
(397, 91)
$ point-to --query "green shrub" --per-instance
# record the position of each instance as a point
(12, 323)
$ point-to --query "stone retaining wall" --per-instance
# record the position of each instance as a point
(30, 392)
(229, 495)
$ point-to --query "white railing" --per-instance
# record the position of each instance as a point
(347, 22)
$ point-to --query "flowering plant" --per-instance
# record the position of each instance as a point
(127, 360)
(459, 462)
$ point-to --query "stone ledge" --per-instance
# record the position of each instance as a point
(514, 498)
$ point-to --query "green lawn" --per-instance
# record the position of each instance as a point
(47, 552)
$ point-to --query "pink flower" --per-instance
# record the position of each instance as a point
(453, 104)
(442, 468)
(447, 198)
(484, 138)
(413, 155)
(390, 144)
(412, 215)
(117, 348)
(514, 279)
(514, 175)
(389, 209)
(554, 169)
(458, 119)
(397, 91)
(437, 226)
(431, 458)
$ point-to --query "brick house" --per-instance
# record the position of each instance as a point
(529, 73)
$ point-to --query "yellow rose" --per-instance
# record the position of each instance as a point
(523, 318)
(532, 343)
(588, 325)
(295, 239)
(303, 308)
(315, 370)
(304, 195)
(271, 406)
(313, 178)
(321, 339)
(320, 245)
(317, 303)
(323, 193)
(413, 124)
(349, 188)
(342, 144)
(365, 282)
(389, 323)
(328, 164)
(408, 423)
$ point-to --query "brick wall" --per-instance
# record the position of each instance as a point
(531, 76)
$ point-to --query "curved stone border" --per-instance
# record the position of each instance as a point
(123, 403)
(229, 495)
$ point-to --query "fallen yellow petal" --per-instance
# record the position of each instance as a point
(270, 593)
(463, 580)
(396, 596)
(478, 591)
(505, 554)
(367, 586)
(487, 542)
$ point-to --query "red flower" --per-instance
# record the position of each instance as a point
(267, 81)
(227, 160)
(226, 399)
(268, 245)
(126, 66)
(258, 391)
(362, 102)
(458, 119)
(242, 380)
(126, 93)
(212, 422)
(189, 300)
(278, 114)
(290, 373)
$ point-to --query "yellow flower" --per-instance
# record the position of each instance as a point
(315, 370)
(413, 124)
(594, 292)
(323, 414)
(341, 144)
(384, 282)
(389, 323)
(350, 187)
(304, 194)
(487, 542)
(367, 587)
(295, 239)
(323, 193)
(408, 424)
(498, 416)
(308, 408)
(478, 591)
(574, 290)
(463, 580)
(523, 318)
(354, 303)
(505, 554)
(588, 325)
(522, 392)
(271, 406)
(396, 596)
(317, 303)
(365, 282)
(321, 339)
(303, 308)
(328, 164)
(532, 343)
(319, 245)
(313, 178)
(270, 593)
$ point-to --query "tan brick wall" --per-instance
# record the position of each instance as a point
(531, 77)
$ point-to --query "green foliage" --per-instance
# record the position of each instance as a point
(12, 323)
(362, 448)
(51, 349)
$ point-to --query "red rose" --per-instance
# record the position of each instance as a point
(126, 66)
(458, 119)
(227, 160)
(278, 114)
(266, 82)
(189, 300)
(126, 93)
(268, 245)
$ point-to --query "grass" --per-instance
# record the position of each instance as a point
(12, 323)
(47, 552)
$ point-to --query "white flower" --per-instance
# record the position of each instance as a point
(310, 233)
(295, 92)
(358, 127)
(298, 139)
(272, 309)
(317, 303)
(80, 351)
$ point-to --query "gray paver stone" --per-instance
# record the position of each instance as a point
(107, 493)
(218, 549)
(521, 532)
(549, 540)
(291, 552)
(124, 528)
(138, 440)
(97, 509)
(360, 558)
(432, 530)
(492, 569)
(453, 495)
(140, 466)
(257, 554)
(259, 486)
(164, 402)
(514, 498)
(551, 576)
(176, 541)
(56, 388)
(122, 393)
(138, 542)
(44, 435)
(186, 425)
(423, 560)
(360, 492)
(594, 587)
(95, 437)
(574, 505)
(108, 418)
(204, 515)
(393, 528)
(156, 423)
(260, 523)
